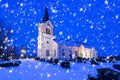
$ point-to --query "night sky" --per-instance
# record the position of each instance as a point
(93, 22)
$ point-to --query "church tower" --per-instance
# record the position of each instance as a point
(47, 47)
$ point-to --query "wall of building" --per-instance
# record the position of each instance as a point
(87, 52)
(47, 47)
(67, 50)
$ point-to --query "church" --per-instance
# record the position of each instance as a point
(49, 48)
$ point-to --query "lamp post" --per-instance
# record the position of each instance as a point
(23, 52)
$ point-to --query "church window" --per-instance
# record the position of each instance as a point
(76, 53)
(47, 42)
(63, 52)
(47, 31)
(86, 54)
(70, 54)
(55, 52)
(90, 54)
(47, 53)
(94, 54)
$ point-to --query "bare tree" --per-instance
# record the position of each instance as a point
(4, 35)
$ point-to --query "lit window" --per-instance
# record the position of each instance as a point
(86, 54)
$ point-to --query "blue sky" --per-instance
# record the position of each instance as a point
(94, 22)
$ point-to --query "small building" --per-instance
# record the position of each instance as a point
(49, 48)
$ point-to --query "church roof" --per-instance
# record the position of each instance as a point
(46, 15)
(71, 43)
(67, 43)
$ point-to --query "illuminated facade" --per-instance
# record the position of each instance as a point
(48, 48)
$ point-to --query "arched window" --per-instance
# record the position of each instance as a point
(90, 54)
(86, 54)
(63, 52)
(47, 53)
(47, 31)
(94, 54)
(70, 54)
(76, 53)
(55, 52)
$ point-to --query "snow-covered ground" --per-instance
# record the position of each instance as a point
(36, 70)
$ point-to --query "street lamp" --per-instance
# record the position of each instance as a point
(23, 52)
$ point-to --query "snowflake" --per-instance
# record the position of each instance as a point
(117, 16)
(84, 68)
(102, 17)
(48, 75)
(103, 48)
(6, 5)
(55, 74)
(10, 71)
(12, 11)
(106, 2)
(20, 72)
(36, 66)
(68, 37)
(11, 40)
(35, 12)
(91, 26)
(93, 65)
(41, 74)
(85, 41)
(67, 71)
(117, 36)
(21, 4)
(34, 51)
(54, 10)
(89, 5)
(74, 14)
(12, 31)
(74, 74)
(60, 33)
(81, 9)
(61, 21)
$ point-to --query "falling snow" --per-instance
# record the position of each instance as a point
(117, 16)
(106, 2)
(82, 21)
(21, 4)
(81, 9)
(6, 5)
(60, 33)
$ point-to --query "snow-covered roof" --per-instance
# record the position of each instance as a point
(67, 43)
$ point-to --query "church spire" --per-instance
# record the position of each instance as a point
(46, 15)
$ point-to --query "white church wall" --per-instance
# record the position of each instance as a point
(64, 49)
